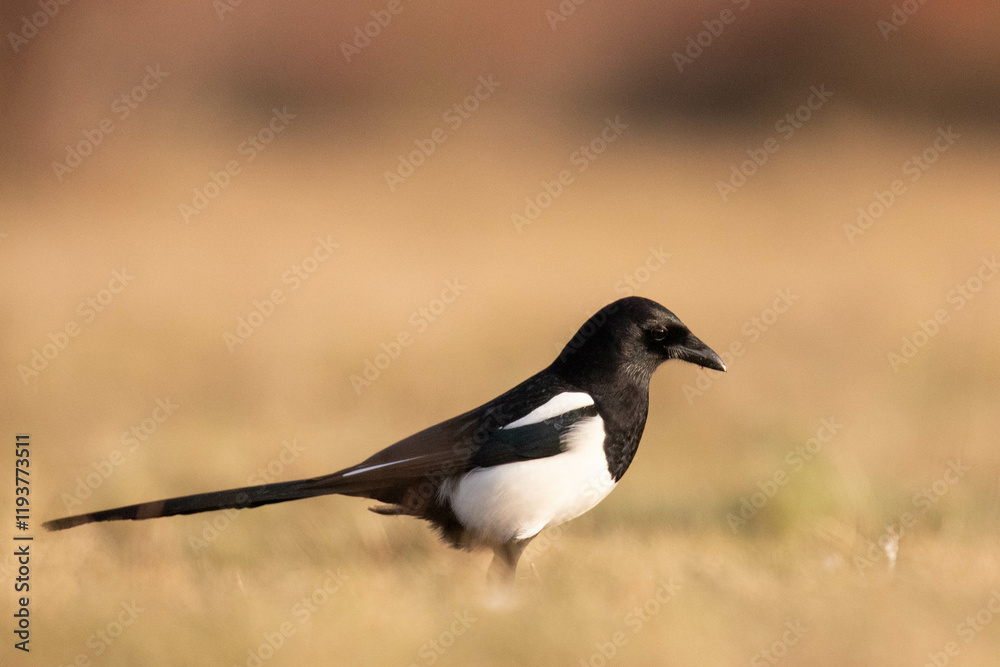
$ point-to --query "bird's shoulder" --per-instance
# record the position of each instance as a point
(525, 422)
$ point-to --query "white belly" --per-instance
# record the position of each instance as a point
(517, 500)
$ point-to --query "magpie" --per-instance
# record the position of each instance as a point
(538, 455)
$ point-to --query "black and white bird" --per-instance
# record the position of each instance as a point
(538, 455)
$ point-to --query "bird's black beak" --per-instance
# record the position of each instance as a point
(692, 350)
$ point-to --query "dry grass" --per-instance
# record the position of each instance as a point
(796, 561)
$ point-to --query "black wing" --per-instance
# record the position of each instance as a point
(471, 440)
(532, 441)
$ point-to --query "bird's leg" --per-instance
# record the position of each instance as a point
(505, 558)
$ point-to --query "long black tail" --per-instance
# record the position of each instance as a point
(248, 496)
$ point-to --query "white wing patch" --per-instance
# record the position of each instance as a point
(557, 405)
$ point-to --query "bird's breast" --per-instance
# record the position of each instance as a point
(517, 500)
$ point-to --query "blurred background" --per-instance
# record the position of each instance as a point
(219, 220)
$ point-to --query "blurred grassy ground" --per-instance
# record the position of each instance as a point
(796, 560)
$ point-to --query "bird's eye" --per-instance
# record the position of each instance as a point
(659, 333)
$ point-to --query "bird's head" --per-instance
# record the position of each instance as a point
(634, 335)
